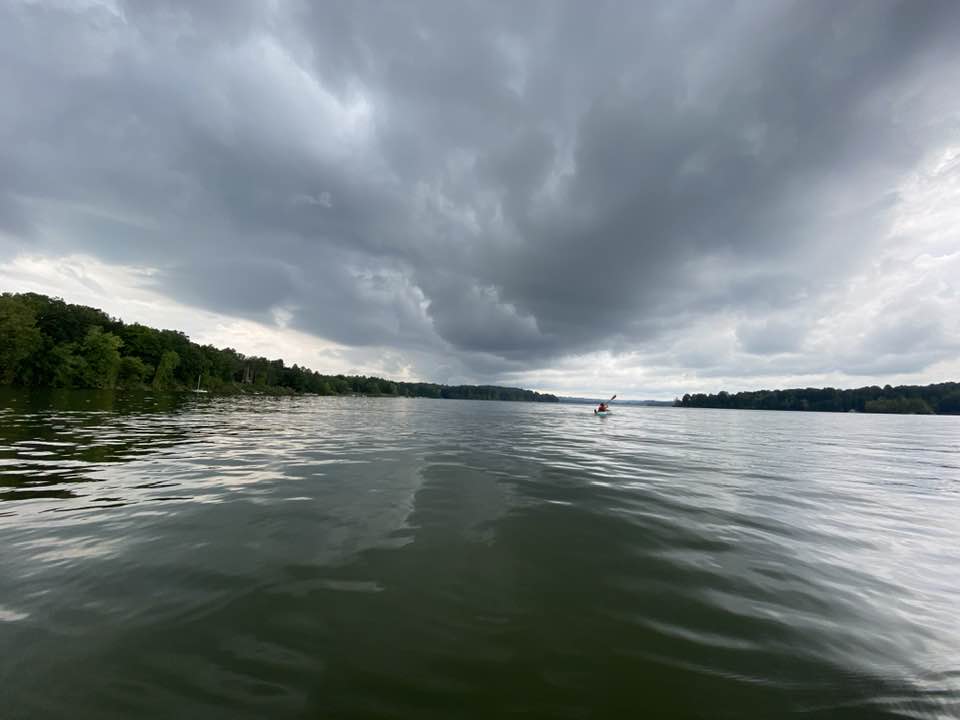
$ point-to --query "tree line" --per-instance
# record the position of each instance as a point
(940, 398)
(46, 342)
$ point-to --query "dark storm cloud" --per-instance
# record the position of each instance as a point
(503, 182)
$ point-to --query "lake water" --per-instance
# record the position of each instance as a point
(389, 558)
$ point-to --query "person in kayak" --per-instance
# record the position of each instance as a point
(605, 405)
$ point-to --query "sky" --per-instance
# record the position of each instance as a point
(581, 198)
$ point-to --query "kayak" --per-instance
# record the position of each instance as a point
(602, 413)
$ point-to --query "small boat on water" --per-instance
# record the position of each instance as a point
(603, 410)
(197, 389)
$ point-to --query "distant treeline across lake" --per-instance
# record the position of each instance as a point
(46, 342)
(941, 398)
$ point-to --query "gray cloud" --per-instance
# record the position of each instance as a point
(489, 187)
(771, 336)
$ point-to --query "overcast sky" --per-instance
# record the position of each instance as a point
(580, 197)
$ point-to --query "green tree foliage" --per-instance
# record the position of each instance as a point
(143, 342)
(66, 366)
(50, 343)
(164, 378)
(19, 335)
(950, 403)
(943, 398)
(133, 372)
(900, 404)
(100, 352)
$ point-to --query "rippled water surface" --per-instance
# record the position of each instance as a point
(368, 558)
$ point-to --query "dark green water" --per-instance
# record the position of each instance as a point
(351, 558)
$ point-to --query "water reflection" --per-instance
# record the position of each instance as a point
(393, 558)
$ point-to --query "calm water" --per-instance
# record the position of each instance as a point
(368, 558)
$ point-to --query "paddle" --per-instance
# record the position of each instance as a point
(606, 403)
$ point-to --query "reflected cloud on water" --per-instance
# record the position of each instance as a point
(398, 552)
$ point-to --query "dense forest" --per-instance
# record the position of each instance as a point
(46, 342)
(942, 398)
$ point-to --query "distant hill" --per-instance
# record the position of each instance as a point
(47, 342)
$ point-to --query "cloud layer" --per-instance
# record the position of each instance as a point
(686, 193)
